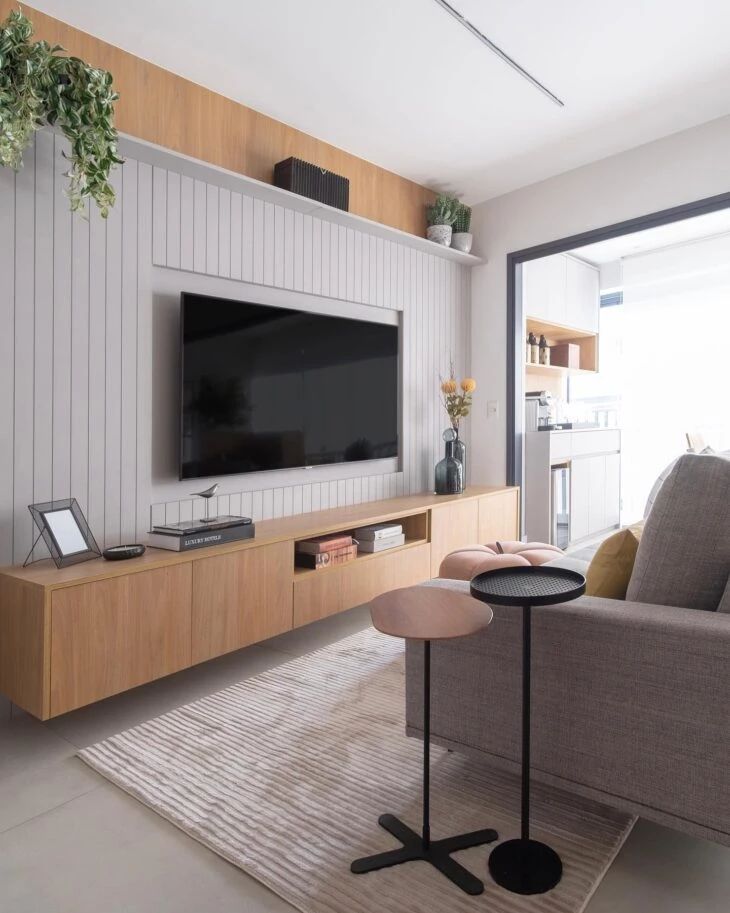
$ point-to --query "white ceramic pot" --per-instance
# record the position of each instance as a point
(441, 234)
(462, 240)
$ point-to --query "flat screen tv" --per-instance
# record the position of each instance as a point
(274, 388)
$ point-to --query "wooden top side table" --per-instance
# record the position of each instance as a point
(428, 613)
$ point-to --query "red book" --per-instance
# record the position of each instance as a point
(324, 544)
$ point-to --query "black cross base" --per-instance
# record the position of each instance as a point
(436, 852)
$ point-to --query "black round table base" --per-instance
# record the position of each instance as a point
(525, 866)
(437, 852)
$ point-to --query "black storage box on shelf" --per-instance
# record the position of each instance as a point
(313, 182)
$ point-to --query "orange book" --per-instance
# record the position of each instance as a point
(324, 544)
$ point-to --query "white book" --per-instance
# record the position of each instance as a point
(380, 545)
(378, 531)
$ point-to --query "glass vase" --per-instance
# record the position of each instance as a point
(460, 454)
(449, 473)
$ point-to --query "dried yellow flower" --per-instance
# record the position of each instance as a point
(468, 385)
(448, 387)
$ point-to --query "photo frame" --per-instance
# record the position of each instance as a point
(64, 529)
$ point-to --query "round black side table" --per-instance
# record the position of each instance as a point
(522, 865)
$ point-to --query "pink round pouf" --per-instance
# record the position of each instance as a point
(465, 563)
(534, 552)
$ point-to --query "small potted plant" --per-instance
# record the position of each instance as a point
(462, 238)
(440, 217)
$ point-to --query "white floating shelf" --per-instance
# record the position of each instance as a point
(158, 155)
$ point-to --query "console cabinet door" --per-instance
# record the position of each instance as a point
(241, 598)
(499, 517)
(454, 524)
(112, 635)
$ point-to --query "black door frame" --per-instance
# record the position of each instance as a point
(515, 315)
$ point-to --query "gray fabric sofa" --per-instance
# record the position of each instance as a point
(630, 700)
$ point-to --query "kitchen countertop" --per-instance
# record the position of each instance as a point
(577, 430)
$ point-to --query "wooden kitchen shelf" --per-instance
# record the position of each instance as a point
(556, 333)
(556, 369)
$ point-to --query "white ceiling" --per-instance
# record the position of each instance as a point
(401, 83)
(639, 242)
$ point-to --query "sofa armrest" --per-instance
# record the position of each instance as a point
(628, 698)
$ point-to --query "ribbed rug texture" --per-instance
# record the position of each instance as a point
(285, 775)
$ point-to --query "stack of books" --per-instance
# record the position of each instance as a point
(325, 551)
(184, 536)
(380, 537)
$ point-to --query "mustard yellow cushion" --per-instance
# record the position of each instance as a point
(610, 570)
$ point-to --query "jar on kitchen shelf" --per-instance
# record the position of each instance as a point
(535, 353)
(544, 349)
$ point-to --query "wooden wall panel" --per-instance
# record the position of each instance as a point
(162, 108)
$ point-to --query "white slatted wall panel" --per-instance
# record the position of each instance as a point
(76, 307)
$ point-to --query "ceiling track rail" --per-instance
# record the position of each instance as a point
(480, 36)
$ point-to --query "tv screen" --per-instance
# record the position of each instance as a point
(273, 388)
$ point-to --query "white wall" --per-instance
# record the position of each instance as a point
(678, 169)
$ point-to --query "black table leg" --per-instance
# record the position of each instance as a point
(420, 846)
(522, 865)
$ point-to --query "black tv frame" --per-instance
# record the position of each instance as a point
(288, 306)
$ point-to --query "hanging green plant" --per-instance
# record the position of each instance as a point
(40, 86)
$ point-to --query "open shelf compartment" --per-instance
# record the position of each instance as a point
(416, 529)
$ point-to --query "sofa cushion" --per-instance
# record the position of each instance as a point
(610, 569)
(683, 558)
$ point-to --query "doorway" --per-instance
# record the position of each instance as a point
(664, 267)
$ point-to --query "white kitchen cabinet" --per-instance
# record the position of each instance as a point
(613, 489)
(596, 493)
(595, 496)
(544, 288)
(582, 295)
(594, 458)
(580, 498)
(562, 290)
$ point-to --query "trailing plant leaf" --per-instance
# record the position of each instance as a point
(41, 86)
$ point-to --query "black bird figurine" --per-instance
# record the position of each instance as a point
(207, 495)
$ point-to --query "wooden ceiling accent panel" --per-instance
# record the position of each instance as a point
(162, 108)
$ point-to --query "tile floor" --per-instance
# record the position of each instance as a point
(72, 843)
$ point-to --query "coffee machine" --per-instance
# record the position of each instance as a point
(539, 410)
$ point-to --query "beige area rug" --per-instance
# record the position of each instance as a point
(285, 775)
